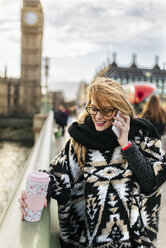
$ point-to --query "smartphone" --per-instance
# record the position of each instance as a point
(116, 130)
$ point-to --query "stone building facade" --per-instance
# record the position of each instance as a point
(133, 73)
(9, 95)
(22, 97)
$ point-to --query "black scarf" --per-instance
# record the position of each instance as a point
(88, 136)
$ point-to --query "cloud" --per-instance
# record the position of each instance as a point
(83, 27)
(79, 35)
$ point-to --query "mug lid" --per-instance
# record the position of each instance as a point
(38, 176)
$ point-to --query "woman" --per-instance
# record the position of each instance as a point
(108, 189)
(154, 112)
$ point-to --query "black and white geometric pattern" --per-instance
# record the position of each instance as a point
(103, 205)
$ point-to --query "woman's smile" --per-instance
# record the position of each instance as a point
(100, 123)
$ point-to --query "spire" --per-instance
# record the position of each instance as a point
(114, 60)
(156, 66)
(5, 74)
(134, 56)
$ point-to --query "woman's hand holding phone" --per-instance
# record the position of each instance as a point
(121, 127)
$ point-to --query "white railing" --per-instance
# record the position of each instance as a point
(15, 233)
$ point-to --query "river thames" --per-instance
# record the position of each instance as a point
(12, 161)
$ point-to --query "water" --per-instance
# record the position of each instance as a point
(12, 161)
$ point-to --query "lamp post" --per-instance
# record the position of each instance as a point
(46, 82)
(46, 72)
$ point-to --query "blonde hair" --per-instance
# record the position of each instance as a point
(114, 94)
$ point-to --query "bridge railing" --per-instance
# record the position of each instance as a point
(22, 234)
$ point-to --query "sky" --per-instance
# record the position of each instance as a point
(80, 37)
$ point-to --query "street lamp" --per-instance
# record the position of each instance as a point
(46, 72)
(46, 82)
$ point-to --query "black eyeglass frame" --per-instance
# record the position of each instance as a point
(98, 110)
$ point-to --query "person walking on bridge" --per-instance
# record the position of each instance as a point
(155, 113)
(61, 118)
(108, 187)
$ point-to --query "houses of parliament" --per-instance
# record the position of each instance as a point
(22, 96)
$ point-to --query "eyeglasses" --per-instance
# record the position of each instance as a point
(106, 111)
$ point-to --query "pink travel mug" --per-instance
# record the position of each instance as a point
(36, 189)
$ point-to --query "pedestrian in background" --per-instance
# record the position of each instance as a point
(155, 113)
(61, 118)
(108, 188)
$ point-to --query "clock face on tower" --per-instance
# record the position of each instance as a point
(30, 18)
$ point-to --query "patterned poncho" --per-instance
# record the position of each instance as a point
(106, 204)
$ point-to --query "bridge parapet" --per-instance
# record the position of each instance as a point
(22, 234)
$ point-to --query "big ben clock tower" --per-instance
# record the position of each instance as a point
(31, 56)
